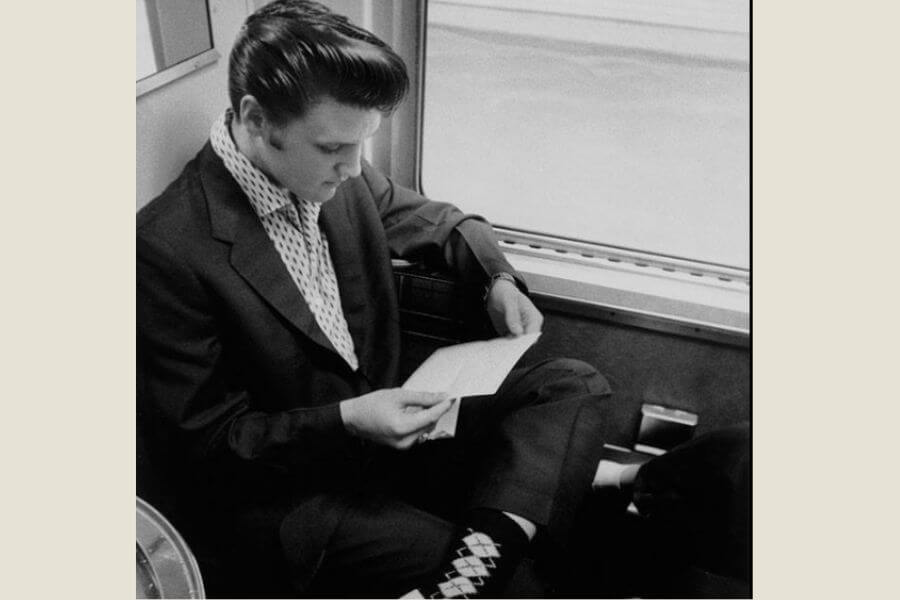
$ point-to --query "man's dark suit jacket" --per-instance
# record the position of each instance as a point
(239, 384)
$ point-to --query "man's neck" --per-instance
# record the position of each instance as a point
(244, 143)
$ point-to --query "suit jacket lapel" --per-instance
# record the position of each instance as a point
(253, 255)
(337, 221)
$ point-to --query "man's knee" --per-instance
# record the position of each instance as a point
(551, 381)
(578, 373)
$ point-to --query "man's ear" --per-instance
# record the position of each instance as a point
(253, 117)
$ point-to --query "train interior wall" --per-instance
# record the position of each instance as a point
(710, 379)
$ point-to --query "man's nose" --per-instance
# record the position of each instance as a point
(351, 165)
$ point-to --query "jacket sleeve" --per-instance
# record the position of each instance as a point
(437, 232)
(184, 379)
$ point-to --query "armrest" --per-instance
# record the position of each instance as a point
(435, 305)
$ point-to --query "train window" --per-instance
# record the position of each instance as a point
(619, 123)
(172, 40)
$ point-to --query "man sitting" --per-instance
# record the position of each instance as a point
(268, 343)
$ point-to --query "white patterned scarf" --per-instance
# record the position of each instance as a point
(297, 237)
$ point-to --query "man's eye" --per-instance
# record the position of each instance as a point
(330, 149)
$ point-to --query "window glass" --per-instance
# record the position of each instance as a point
(169, 32)
(619, 122)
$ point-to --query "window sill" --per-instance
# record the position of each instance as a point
(661, 293)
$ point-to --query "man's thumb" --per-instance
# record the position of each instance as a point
(514, 322)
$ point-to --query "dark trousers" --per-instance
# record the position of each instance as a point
(696, 499)
(531, 449)
(692, 538)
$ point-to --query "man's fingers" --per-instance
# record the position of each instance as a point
(533, 319)
(513, 319)
(411, 400)
(422, 420)
(416, 437)
(514, 326)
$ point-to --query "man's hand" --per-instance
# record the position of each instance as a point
(511, 311)
(393, 417)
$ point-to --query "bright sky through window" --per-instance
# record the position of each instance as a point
(630, 131)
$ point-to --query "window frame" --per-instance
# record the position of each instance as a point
(626, 285)
(184, 67)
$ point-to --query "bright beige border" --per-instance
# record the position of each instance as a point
(825, 336)
(826, 162)
(68, 300)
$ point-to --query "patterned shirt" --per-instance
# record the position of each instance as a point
(293, 226)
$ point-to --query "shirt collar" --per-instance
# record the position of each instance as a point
(265, 197)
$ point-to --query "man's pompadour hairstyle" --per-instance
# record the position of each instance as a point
(291, 53)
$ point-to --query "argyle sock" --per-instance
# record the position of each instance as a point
(481, 562)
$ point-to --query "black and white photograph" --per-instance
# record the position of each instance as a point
(443, 299)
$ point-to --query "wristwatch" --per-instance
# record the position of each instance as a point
(494, 278)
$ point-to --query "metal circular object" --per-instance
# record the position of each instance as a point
(165, 566)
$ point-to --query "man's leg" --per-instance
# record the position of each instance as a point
(695, 498)
(383, 548)
(544, 428)
(522, 446)
(550, 422)
(531, 451)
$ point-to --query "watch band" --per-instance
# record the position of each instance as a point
(494, 278)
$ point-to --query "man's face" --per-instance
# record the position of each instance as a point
(320, 150)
